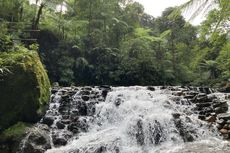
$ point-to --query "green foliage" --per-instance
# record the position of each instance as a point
(115, 42)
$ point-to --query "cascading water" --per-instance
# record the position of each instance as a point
(137, 120)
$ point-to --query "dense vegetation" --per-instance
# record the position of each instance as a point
(89, 42)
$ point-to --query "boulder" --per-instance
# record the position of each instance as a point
(151, 88)
(224, 131)
(25, 88)
(48, 120)
(211, 119)
(60, 125)
(37, 140)
(224, 116)
(11, 137)
(59, 141)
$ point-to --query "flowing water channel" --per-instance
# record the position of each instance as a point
(137, 120)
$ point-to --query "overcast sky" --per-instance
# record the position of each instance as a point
(155, 7)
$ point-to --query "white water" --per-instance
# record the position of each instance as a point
(143, 123)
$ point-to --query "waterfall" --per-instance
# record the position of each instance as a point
(137, 120)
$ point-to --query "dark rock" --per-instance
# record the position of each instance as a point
(219, 110)
(184, 132)
(104, 93)
(101, 149)
(37, 141)
(179, 93)
(82, 108)
(226, 126)
(84, 92)
(65, 121)
(85, 98)
(87, 88)
(219, 126)
(57, 141)
(118, 101)
(203, 104)
(48, 120)
(176, 115)
(156, 133)
(72, 127)
(211, 119)
(79, 124)
(105, 87)
(140, 133)
(202, 117)
(60, 125)
(54, 90)
(189, 96)
(221, 122)
(151, 88)
(224, 116)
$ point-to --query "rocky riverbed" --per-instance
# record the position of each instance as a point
(73, 112)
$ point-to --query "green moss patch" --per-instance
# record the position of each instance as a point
(11, 137)
(16, 131)
(24, 87)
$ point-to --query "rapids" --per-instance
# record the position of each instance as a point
(137, 120)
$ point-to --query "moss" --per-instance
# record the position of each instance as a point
(24, 87)
(11, 137)
(16, 131)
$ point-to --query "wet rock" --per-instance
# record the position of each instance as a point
(140, 133)
(220, 104)
(151, 88)
(59, 141)
(101, 149)
(202, 117)
(84, 92)
(37, 140)
(224, 131)
(218, 126)
(87, 88)
(221, 122)
(176, 115)
(208, 104)
(224, 116)
(85, 98)
(54, 90)
(73, 127)
(79, 125)
(156, 132)
(184, 133)
(82, 108)
(211, 119)
(220, 110)
(60, 125)
(65, 97)
(105, 86)
(65, 121)
(189, 96)
(118, 101)
(48, 120)
(226, 126)
(105, 92)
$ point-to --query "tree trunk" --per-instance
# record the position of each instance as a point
(38, 17)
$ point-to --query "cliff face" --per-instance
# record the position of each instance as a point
(24, 87)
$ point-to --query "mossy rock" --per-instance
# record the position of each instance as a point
(12, 137)
(24, 87)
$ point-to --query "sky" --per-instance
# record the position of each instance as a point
(156, 7)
